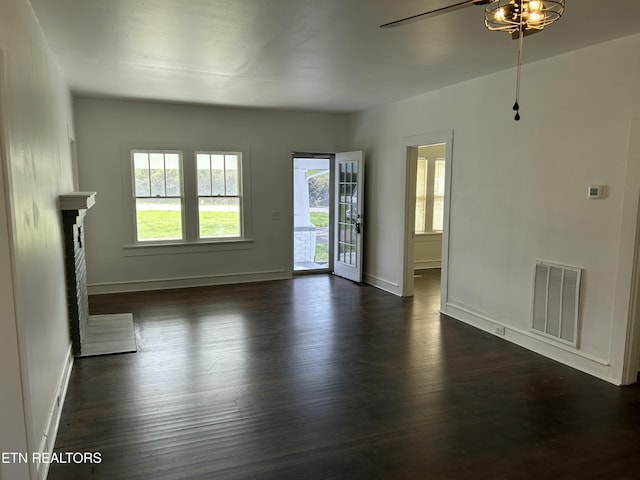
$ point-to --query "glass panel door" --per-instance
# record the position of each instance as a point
(349, 220)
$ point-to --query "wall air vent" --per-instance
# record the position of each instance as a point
(556, 298)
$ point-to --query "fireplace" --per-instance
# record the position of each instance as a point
(74, 207)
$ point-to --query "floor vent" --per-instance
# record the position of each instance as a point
(556, 298)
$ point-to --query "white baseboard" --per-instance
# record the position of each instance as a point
(598, 367)
(48, 439)
(186, 282)
(382, 284)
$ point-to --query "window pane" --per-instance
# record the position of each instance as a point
(421, 195)
(231, 163)
(347, 192)
(439, 177)
(159, 219)
(217, 175)
(156, 161)
(219, 217)
(172, 174)
(203, 162)
(438, 213)
(342, 216)
(438, 195)
(141, 174)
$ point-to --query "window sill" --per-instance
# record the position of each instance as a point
(428, 234)
(184, 247)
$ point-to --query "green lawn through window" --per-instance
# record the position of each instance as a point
(167, 225)
(320, 219)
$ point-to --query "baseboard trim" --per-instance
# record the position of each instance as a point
(48, 440)
(186, 282)
(382, 284)
(598, 367)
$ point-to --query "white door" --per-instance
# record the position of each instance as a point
(348, 223)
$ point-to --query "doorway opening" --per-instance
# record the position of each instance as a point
(312, 213)
(429, 211)
(428, 182)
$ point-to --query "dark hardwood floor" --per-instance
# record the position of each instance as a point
(318, 378)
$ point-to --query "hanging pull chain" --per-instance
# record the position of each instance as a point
(516, 106)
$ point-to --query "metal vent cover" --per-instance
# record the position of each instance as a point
(556, 301)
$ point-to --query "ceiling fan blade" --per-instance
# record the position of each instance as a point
(436, 12)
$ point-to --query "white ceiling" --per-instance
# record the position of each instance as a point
(327, 55)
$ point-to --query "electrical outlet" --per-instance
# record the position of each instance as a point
(499, 330)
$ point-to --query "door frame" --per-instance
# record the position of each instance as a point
(631, 361)
(625, 336)
(323, 156)
(410, 153)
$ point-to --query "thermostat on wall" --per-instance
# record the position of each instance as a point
(596, 191)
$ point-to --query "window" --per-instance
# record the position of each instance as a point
(438, 196)
(219, 203)
(430, 195)
(158, 196)
(189, 197)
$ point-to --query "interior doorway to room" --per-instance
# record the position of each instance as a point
(427, 210)
(312, 216)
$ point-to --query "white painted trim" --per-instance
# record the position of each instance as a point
(427, 264)
(183, 247)
(289, 215)
(408, 179)
(598, 367)
(631, 367)
(382, 284)
(186, 282)
(48, 440)
(625, 331)
(410, 155)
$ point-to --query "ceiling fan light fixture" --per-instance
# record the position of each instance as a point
(512, 15)
(518, 18)
(535, 5)
(534, 18)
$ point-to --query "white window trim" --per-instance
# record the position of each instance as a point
(240, 195)
(190, 242)
(134, 197)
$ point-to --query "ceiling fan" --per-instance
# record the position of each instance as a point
(519, 18)
(436, 12)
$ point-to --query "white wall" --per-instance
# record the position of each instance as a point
(36, 112)
(106, 132)
(519, 192)
(427, 251)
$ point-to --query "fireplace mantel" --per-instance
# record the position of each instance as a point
(77, 200)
